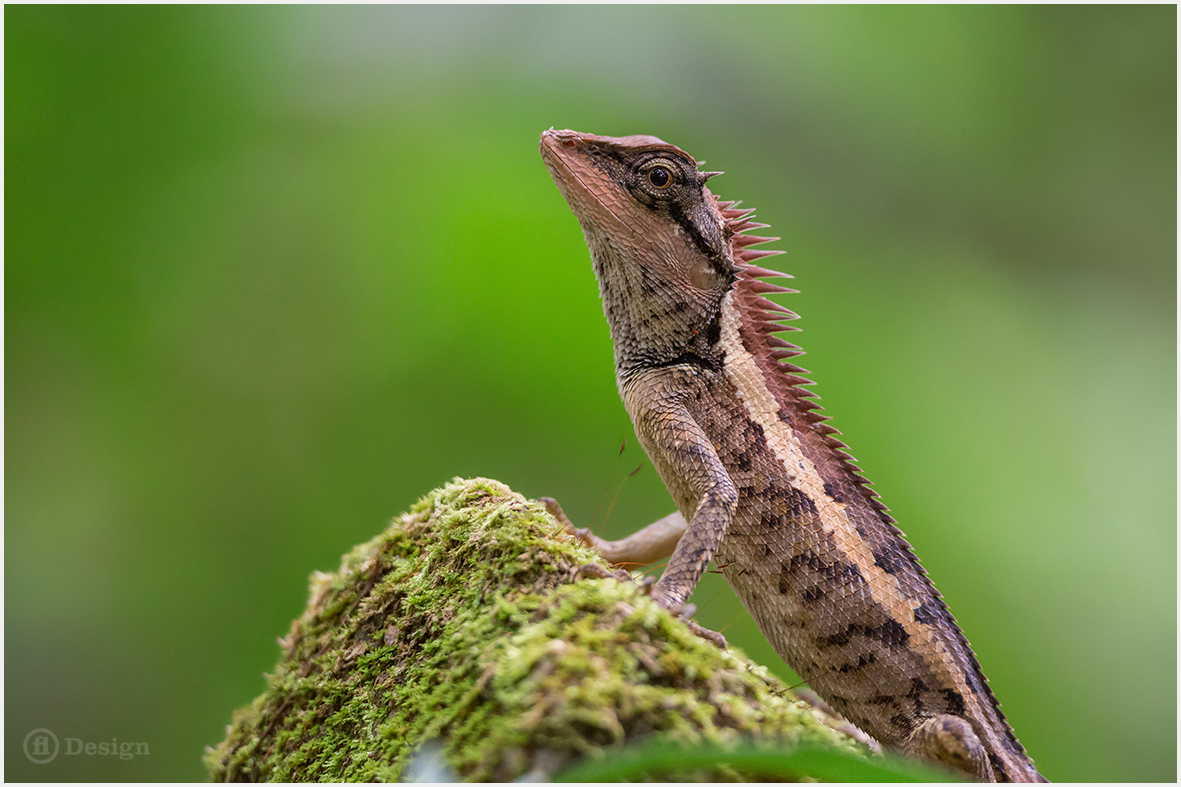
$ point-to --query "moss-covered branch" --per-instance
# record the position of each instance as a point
(460, 628)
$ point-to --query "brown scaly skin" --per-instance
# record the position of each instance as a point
(761, 483)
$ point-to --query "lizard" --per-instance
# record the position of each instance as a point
(763, 485)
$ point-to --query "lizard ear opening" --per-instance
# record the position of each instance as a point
(704, 276)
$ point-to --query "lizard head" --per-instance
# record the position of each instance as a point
(658, 237)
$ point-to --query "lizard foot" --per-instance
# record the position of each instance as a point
(684, 610)
(650, 588)
(951, 741)
(710, 636)
(581, 534)
(674, 525)
(555, 510)
(644, 547)
(599, 571)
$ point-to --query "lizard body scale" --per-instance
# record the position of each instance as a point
(762, 485)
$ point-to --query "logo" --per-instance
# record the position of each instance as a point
(41, 746)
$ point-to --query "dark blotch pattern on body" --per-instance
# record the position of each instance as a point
(889, 559)
(889, 633)
(928, 613)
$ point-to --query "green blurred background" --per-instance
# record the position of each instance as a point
(274, 273)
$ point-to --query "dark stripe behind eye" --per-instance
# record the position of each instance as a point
(692, 230)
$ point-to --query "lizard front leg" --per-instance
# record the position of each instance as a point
(691, 469)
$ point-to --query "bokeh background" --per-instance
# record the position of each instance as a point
(274, 273)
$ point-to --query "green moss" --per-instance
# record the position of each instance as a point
(461, 623)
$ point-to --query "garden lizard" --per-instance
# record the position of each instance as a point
(762, 484)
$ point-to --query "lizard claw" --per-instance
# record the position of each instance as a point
(555, 510)
(685, 612)
(582, 534)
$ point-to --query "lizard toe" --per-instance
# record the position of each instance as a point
(599, 571)
(708, 635)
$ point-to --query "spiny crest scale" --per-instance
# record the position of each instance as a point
(762, 319)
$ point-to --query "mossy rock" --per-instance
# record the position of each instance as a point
(461, 629)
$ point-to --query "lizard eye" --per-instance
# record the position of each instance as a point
(660, 177)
